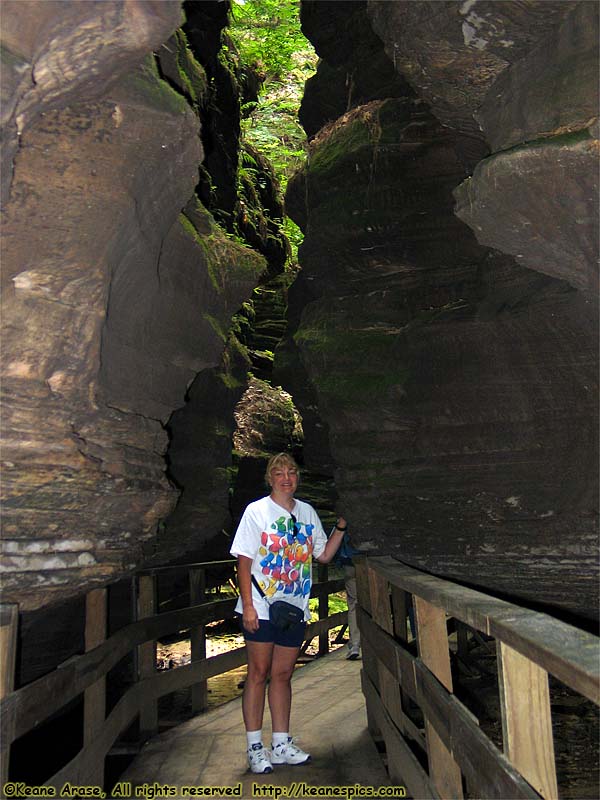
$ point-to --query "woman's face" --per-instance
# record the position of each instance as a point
(284, 479)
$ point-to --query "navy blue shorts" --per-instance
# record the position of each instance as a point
(267, 632)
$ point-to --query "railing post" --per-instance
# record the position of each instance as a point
(432, 641)
(94, 700)
(378, 591)
(400, 613)
(198, 639)
(147, 655)
(526, 720)
(9, 624)
(323, 608)
(381, 603)
(369, 664)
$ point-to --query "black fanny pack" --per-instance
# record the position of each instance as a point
(283, 615)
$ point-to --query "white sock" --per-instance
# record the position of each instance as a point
(253, 737)
(280, 738)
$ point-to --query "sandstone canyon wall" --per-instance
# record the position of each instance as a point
(443, 341)
(442, 334)
(119, 289)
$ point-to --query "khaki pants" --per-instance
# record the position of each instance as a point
(350, 585)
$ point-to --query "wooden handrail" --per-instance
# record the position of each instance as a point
(9, 621)
(187, 566)
(31, 705)
(23, 710)
(453, 723)
(127, 708)
(571, 654)
(531, 644)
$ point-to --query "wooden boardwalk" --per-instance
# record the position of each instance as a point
(328, 716)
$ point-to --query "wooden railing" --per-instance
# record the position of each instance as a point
(455, 749)
(25, 709)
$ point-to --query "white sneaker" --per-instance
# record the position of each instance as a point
(288, 753)
(258, 759)
(353, 653)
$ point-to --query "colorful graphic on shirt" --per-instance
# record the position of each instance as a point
(285, 558)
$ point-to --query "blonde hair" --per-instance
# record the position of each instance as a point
(280, 460)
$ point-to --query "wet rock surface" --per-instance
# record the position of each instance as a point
(455, 385)
(453, 53)
(52, 56)
(539, 203)
(119, 290)
(523, 78)
(84, 444)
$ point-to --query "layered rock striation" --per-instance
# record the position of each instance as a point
(442, 339)
(239, 189)
(119, 289)
(448, 374)
(524, 77)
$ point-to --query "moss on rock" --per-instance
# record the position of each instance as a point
(152, 90)
(191, 73)
(354, 366)
(267, 420)
(229, 261)
(372, 125)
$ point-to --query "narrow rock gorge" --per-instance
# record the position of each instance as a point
(440, 338)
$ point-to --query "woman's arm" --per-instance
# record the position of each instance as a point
(334, 541)
(244, 574)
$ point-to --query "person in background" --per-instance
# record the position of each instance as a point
(354, 641)
(344, 560)
(275, 543)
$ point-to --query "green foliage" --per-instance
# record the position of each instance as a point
(267, 34)
(337, 603)
(268, 37)
(294, 235)
(274, 130)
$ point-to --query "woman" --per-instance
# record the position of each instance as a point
(274, 544)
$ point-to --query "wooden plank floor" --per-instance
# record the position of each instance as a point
(328, 716)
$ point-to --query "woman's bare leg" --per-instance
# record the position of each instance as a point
(280, 689)
(260, 655)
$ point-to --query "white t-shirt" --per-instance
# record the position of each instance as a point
(281, 562)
